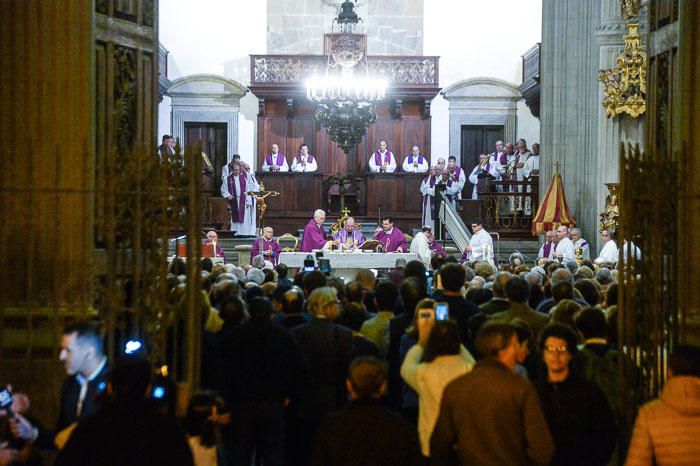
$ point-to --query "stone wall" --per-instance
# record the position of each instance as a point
(578, 40)
(393, 27)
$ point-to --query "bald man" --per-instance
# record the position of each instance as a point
(349, 237)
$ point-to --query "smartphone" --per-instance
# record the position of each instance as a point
(324, 265)
(441, 311)
(6, 400)
(158, 392)
(309, 264)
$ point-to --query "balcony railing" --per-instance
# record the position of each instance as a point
(294, 69)
(510, 206)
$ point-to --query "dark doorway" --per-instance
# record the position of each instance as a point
(478, 140)
(213, 137)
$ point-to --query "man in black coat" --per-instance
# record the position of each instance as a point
(460, 310)
(263, 367)
(82, 355)
(365, 432)
(129, 429)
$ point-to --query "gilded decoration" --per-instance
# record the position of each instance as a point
(625, 86)
(630, 8)
(610, 219)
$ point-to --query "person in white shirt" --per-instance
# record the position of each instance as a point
(565, 247)
(579, 242)
(608, 255)
(432, 364)
(635, 251)
(274, 161)
(480, 248)
(383, 160)
(525, 155)
(496, 155)
(532, 165)
(304, 162)
(421, 246)
(415, 162)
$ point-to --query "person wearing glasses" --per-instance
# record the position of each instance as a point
(480, 248)
(608, 255)
(579, 418)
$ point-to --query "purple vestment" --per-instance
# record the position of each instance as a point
(309, 158)
(437, 249)
(314, 237)
(350, 240)
(504, 161)
(420, 159)
(270, 250)
(279, 160)
(378, 158)
(547, 248)
(392, 241)
(237, 204)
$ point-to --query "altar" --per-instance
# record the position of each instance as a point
(347, 264)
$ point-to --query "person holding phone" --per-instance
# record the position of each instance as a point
(430, 365)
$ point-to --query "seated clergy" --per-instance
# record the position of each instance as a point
(266, 246)
(383, 160)
(304, 162)
(349, 237)
(274, 161)
(415, 162)
(212, 242)
(392, 239)
(579, 242)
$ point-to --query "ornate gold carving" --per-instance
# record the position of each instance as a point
(630, 8)
(610, 219)
(625, 85)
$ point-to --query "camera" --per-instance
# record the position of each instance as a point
(309, 263)
(441, 311)
(6, 400)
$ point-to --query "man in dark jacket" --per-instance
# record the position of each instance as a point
(491, 416)
(82, 355)
(460, 310)
(263, 367)
(128, 430)
(365, 432)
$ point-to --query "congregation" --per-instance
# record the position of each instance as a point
(446, 364)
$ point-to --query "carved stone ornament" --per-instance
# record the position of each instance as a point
(610, 219)
(625, 86)
(630, 8)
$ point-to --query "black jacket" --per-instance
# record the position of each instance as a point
(580, 420)
(262, 362)
(366, 433)
(126, 432)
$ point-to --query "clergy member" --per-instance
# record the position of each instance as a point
(532, 166)
(236, 183)
(349, 237)
(427, 189)
(274, 161)
(415, 162)
(485, 169)
(314, 235)
(212, 242)
(392, 239)
(496, 155)
(435, 247)
(452, 190)
(564, 249)
(547, 249)
(266, 246)
(480, 247)
(383, 160)
(456, 173)
(421, 246)
(608, 255)
(304, 162)
(579, 242)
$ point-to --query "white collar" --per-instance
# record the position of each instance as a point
(81, 379)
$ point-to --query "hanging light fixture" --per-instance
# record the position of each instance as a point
(345, 95)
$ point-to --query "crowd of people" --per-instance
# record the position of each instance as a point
(456, 364)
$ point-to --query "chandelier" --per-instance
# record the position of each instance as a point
(346, 97)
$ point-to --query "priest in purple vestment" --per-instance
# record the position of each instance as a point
(274, 161)
(383, 160)
(415, 162)
(212, 242)
(314, 235)
(349, 237)
(266, 246)
(392, 239)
